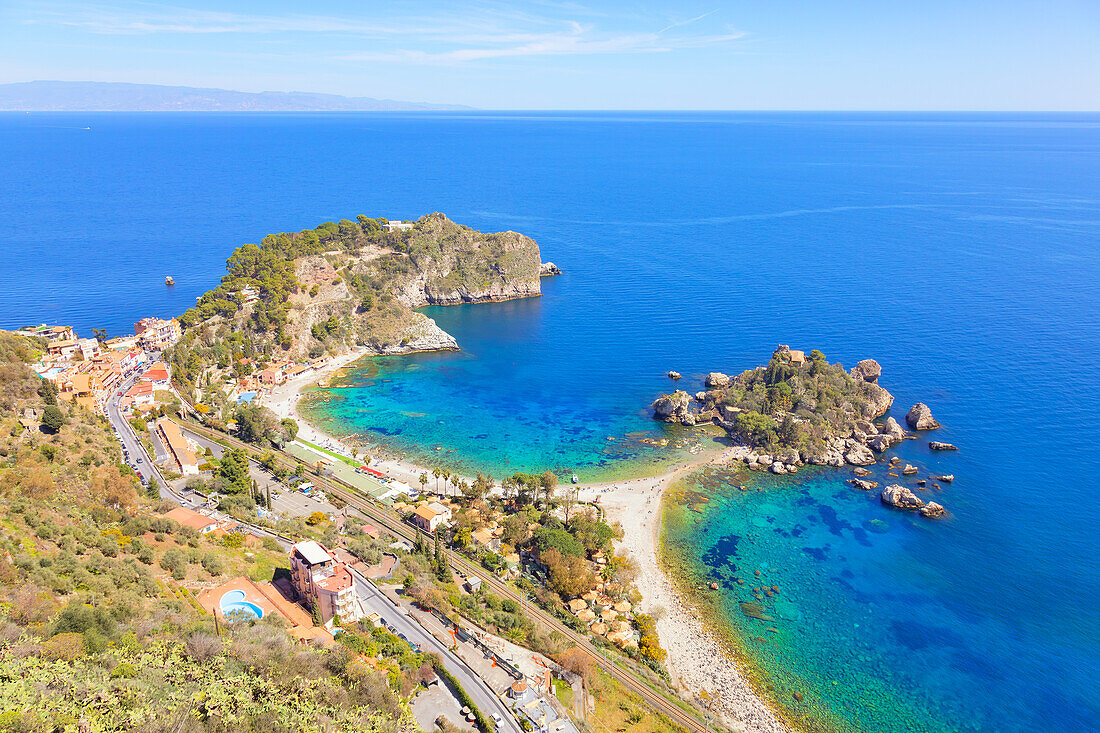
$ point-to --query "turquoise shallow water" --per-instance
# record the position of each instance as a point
(961, 251)
(469, 411)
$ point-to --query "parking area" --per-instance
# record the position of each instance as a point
(431, 702)
(296, 504)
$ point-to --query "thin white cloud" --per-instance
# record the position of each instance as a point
(682, 23)
(481, 31)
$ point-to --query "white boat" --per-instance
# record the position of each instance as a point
(575, 479)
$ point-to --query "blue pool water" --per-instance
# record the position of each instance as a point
(960, 251)
(234, 601)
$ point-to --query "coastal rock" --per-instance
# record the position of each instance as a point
(879, 443)
(932, 510)
(673, 407)
(936, 445)
(893, 429)
(549, 269)
(717, 380)
(859, 455)
(867, 370)
(674, 375)
(778, 468)
(898, 496)
(700, 396)
(863, 484)
(861, 472)
(909, 470)
(422, 334)
(920, 417)
(946, 478)
(878, 400)
(688, 419)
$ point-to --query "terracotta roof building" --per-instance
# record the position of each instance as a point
(187, 518)
(324, 584)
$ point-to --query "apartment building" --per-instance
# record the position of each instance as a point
(324, 584)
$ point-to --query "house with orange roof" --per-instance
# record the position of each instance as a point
(271, 377)
(189, 518)
(157, 375)
(429, 517)
(183, 453)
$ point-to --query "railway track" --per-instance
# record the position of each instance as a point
(392, 523)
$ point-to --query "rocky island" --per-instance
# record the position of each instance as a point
(351, 284)
(798, 410)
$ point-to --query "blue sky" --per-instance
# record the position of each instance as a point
(559, 54)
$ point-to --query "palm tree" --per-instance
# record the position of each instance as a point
(436, 473)
(423, 480)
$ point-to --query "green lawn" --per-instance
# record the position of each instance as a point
(337, 456)
(564, 693)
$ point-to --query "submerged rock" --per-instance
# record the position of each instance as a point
(900, 497)
(936, 445)
(932, 510)
(863, 484)
(920, 417)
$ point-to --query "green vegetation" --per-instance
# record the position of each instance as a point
(322, 290)
(792, 406)
(99, 627)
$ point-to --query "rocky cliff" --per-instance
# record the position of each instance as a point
(371, 290)
(354, 284)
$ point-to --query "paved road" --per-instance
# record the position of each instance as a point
(130, 443)
(396, 617)
(129, 440)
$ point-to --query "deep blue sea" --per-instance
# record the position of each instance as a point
(960, 251)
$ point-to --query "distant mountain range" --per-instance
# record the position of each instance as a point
(94, 96)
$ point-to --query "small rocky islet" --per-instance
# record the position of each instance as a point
(800, 410)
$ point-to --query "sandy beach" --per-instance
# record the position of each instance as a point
(697, 659)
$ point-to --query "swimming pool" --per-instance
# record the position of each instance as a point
(234, 601)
